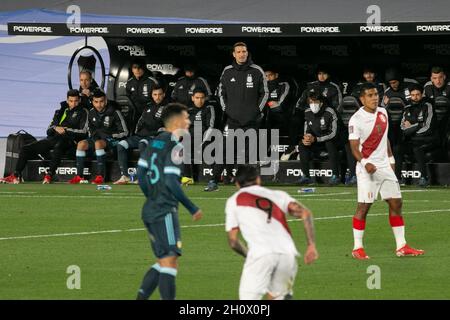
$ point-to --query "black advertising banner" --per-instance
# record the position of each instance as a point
(228, 30)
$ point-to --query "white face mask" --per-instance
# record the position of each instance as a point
(315, 107)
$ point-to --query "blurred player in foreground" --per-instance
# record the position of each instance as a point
(159, 171)
(368, 130)
(271, 258)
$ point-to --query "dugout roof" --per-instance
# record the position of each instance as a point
(231, 18)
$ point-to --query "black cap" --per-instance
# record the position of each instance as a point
(315, 93)
(322, 68)
(190, 67)
(139, 62)
(392, 74)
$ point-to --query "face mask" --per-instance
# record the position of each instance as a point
(315, 107)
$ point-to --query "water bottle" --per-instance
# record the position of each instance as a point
(104, 187)
(307, 190)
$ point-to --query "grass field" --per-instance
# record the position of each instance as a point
(46, 228)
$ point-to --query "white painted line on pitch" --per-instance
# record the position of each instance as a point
(419, 190)
(16, 192)
(321, 194)
(195, 226)
(112, 197)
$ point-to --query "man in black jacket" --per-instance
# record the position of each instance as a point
(68, 127)
(202, 116)
(397, 87)
(438, 84)
(243, 94)
(322, 131)
(328, 89)
(106, 128)
(419, 134)
(148, 125)
(278, 112)
(369, 75)
(185, 86)
(139, 86)
(87, 87)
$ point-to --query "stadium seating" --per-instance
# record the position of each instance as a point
(128, 111)
(395, 109)
(348, 107)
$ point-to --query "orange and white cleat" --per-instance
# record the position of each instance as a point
(77, 179)
(11, 179)
(122, 180)
(98, 180)
(47, 179)
(408, 251)
(360, 254)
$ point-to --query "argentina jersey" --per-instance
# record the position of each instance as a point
(161, 158)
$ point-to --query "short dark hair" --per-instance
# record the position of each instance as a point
(239, 44)
(171, 110)
(157, 87)
(73, 93)
(415, 86)
(246, 175)
(437, 69)
(98, 93)
(367, 86)
(199, 90)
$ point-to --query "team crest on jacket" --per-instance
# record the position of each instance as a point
(106, 121)
(382, 117)
(145, 90)
(249, 81)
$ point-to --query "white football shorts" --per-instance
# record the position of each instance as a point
(382, 181)
(272, 273)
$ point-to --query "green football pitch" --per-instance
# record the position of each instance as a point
(44, 229)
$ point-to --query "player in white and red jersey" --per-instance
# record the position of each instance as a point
(368, 130)
(271, 258)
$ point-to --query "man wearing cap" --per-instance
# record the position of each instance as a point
(397, 86)
(369, 75)
(139, 87)
(327, 88)
(185, 86)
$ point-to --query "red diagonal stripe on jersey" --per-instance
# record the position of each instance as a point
(373, 140)
(246, 199)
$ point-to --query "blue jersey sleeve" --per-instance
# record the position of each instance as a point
(172, 172)
(142, 170)
(173, 184)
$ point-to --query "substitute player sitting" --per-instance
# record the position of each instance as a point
(271, 258)
(368, 130)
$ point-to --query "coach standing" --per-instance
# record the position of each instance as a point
(243, 94)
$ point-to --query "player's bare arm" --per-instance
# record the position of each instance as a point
(354, 146)
(306, 215)
(235, 243)
(390, 155)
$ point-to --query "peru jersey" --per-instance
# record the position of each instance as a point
(371, 129)
(260, 214)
